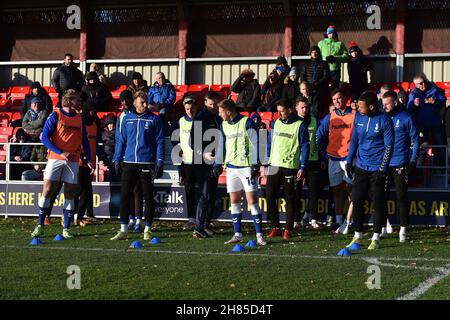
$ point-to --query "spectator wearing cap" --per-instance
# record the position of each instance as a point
(249, 98)
(271, 92)
(334, 53)
(291, 88)
(161, 95)
(67, 76)
(138, 84)
(37, 92)
(282, 67)
(96, 96)
(19, 153)
(317, 74)
(358, 66)
(109, 137)
(34, 120)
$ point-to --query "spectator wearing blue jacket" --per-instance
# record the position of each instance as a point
(161, 95)
(402, 161)
(141, 148)
(372, 144)
(425, 103)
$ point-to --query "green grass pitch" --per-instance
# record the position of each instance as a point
(182, 267)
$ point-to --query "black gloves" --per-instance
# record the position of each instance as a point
(217, 171)
(158, 171)
(349, 170)
(118, 168)
(255, 171)
(181, 174)
(331, 59)
(411, 167)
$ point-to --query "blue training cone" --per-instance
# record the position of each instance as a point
(36, 241)
(136, 245)
(238, 248)
(155, 240)
(344, 253)
(355, 247)
(251, 244)
(59, 237)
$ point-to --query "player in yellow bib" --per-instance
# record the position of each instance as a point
(239, 144)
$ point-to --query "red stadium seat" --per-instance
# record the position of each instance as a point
(198, 88)
(6, 131)
(116, 90)
(234, 96)
(276, 115)
(222, 89)
(265, 115)
(16, 116)
(51, 92)
(245, 113)
(19, 92)
(445, 86)
(4, 138)
(2, 155)
(181, 88)
(4, 102)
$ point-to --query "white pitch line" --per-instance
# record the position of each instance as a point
(377, 262)
(320, 257)
(423, 287)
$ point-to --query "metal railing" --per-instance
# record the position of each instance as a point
(433, 164)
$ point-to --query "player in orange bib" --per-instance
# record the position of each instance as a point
(65, 136)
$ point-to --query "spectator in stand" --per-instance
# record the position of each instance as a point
(291, 88)
(271, 92)
(109, 137)
(334, 53)
(138, 84)
(96, 96)
(38, 154)
(317, 74)
(161, 95)
(282, 68)
(305, 91)
(358, 66)
(249, 98)
(101, 77)
(34, 119)
(402, 98)
(19, 153)
(37, 92)
(257, 119)
(67, 76)
(426, 103)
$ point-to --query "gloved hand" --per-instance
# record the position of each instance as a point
(181, 174)
(118, 168)
(255, 171)
(217, 171)
(331, 59)
(412, 166)
(158, 172)
(349, 169)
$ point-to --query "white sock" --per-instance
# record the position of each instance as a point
(132, 221)
(376, 236)
(124, 228)
(138, 221)
(306, 215)
(358, 235)
(259, 235)
(238, 234)
(387, 223)
(402, 230)
(339, 218)
(313, 221)
(192, 220)
(383, 230)
(147, 229)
